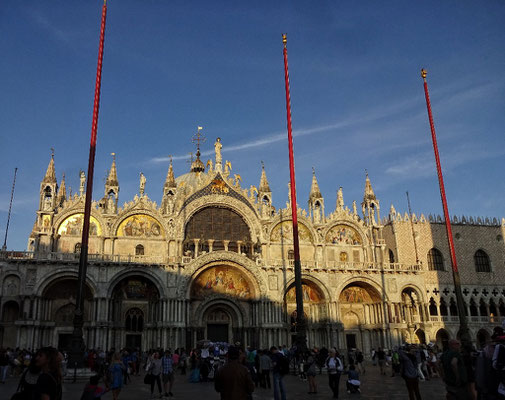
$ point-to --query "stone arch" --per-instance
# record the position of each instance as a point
(11, 285)
(344, 223)
(64, 315)
(61, 295)
(135, 290)
(442, 338)
(363, 280)
(144, 273)
(421, 336)
(248, 215)
(416, 289)
(62, 273)
(10, 311)
(60, 219)
(311, 279)
(156, 228)
(226, 228)
(302, 222)
(219, 258)
(223, 279)
(351, 320)
(238, 313)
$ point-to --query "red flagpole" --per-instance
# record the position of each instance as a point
(300, 318)
(77, 336)
(464, 334)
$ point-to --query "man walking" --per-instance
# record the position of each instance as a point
(280, 368)
(233, 381)
(167, 373)
(454, 372)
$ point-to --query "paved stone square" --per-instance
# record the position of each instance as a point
(374, 386)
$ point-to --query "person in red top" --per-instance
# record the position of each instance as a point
(92, 390)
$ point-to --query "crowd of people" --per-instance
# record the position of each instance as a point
(237, 371)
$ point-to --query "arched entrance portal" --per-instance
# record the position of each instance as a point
(314, 310)
(135, 312)
(10, 313)
(59, 299)
(220, 297)
(218, 324)
(442, 338)
(362, 315)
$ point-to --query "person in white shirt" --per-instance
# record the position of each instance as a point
(335, 368)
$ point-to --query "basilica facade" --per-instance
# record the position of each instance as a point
(214, 260)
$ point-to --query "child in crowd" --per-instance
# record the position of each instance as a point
(353, 383)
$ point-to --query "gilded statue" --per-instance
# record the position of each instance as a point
(142, 184)
(217, 147)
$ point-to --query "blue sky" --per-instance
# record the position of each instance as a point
(357, 97)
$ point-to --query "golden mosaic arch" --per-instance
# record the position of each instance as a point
(311, 294)
(140, 225)
(222, 279)
(343, 234)
(73, 226)
(284, 232)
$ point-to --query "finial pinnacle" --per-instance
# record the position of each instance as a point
(366, 172)
(198, 137)
(170, 157)
(262, 164)
(284, 39)
(52, 152)
(423, 73)
(313, 170)
(113, 156)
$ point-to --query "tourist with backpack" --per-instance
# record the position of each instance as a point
(280, 368)
(335, 367)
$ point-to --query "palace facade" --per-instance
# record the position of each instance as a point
(214, 261)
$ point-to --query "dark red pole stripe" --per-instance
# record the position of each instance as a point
(441, 180)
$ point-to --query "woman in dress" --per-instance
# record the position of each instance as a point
(116, 375)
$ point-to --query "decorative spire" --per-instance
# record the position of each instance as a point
(392, 210)
(62, 191)
(112, 178)
(315, 193)
(197, 165)
(369, 194)
(50, 176)
(170, 181)
(264, 186)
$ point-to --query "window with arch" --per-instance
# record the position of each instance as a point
(139, 250)
(473, 308)
(453, 308)
(134, 320)
(291, 255)
(482, 263)
(391, 256)
(482, 308)
(435, 260)
(433, 307)
(443, 308)
(77, 248)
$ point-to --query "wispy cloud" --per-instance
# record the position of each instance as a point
(43, 22)
(448, 99)
(420, 165)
